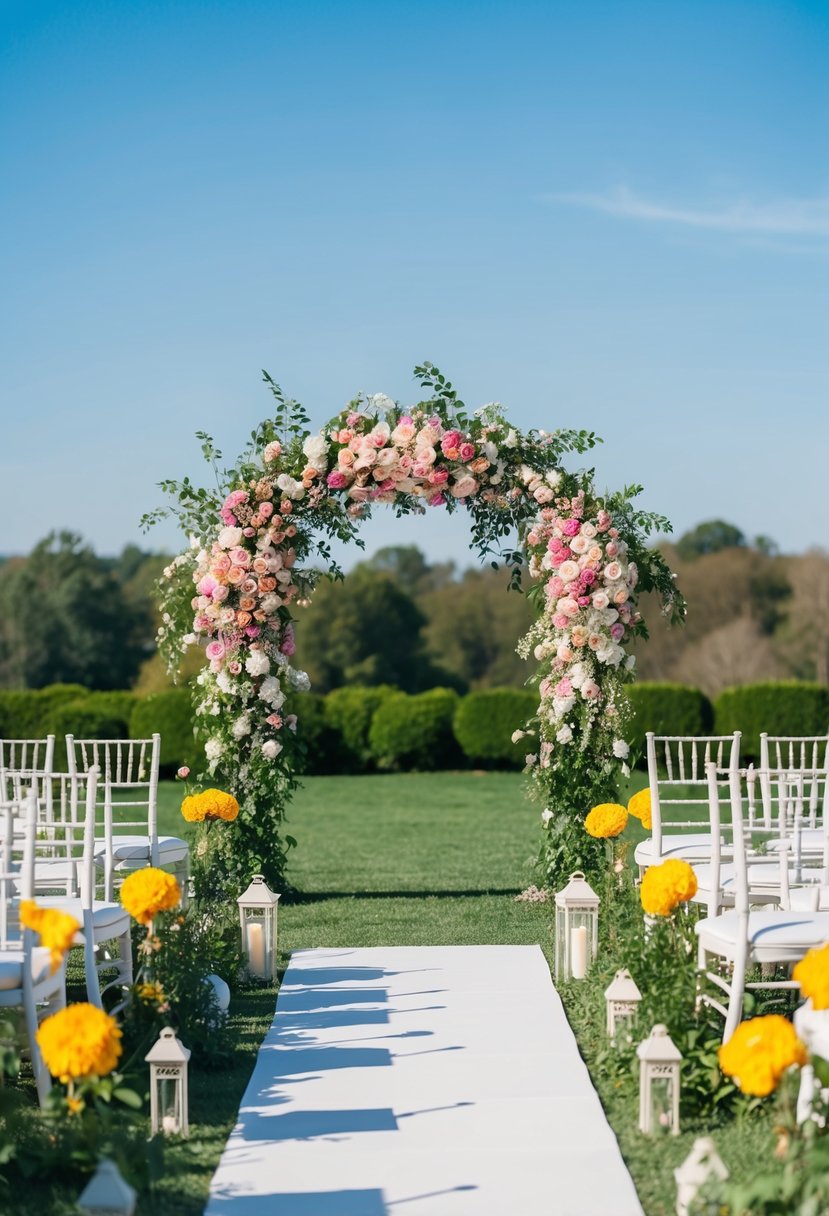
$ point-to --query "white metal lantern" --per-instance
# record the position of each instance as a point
(659, 1060)
(577, 928)
(257, 915)
(106, 1193)
(167, 1059)
(703, 1162)
(622, 998)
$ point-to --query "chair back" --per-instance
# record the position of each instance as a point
(127, 800)
(678, 778)
(805, 754)
(16, 879)
(28, 755)
(65, 831)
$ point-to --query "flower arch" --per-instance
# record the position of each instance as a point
(293, 491)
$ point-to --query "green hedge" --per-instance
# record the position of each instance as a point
(666, 709)
(349, 712)
(415, 732)
(484, 723)
(169, 714)
(24, 712)
(782, 707)
(322, 746)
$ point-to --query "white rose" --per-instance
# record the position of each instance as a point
(241, 727)
(490, 451)
(223, 680)
(289, 486)
(300, 680)
(229, 538)
(271, 749)
(269, 603)
(565, 735)
(620, 749)
(546, 816)
(612, 572)
(579, 544)
(568, 571)
(577, 674)
(315, 450)
(271, 691)
(257, 663)
(511, 440)
(554, 479)
(518, 734)
(213, 749)
(600, 599)
(379, 401)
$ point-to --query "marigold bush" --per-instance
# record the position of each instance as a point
(56, 929)
(79, 1041)
(210, 804)
(606, 820)
(812, 973)
(759, 1052)
(666, 886)
(639, 806)
(147, 892)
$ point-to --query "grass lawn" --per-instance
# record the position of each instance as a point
(410, 859)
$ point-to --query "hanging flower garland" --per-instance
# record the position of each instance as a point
(293, 491)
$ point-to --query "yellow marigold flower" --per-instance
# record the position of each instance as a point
(56, 929)
(607, 819)
(152, 993)
(79, 1041)
(759, 1052)
(147, 892)
(639, 806)
(74, 1105)
(812, 973)
(666, 886)
(210, 804)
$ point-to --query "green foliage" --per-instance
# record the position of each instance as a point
(709, 537)
(415, 732)
(666, 709)
(485, 721)
(24, 712)
(169, 714)
(64, 616)
(784, 707)
(348, 712)
(321, 745)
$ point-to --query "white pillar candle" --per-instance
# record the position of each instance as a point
(256, 948)
(578, 952)
(169, 1125)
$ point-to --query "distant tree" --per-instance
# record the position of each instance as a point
(709, 537)
(64, 619)
(804, 638)
(365, 630)
(736, 653)
(407, 565)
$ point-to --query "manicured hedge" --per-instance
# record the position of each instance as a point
(484, 723)
(323, 750)
(169, 714)
(666, 709)
(416, 732)
(23, 712)
(782, 707)
(349, 712)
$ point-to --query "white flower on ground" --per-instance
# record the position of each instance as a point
(271, 749)
(620, 749)
(271, 691)
(241, 727)
(517, 735)
(213, 749)
(257, 663)
(565, 735)
(229, 538)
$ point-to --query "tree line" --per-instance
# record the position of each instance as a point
(69, 615)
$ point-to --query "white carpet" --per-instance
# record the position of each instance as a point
(409, 1081)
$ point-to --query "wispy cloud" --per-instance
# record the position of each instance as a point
(784, 217)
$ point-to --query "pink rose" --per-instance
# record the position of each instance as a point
(466, 451)
(617, 631)
(248, 531)
(564, 688)
(220, 594)
(437, 500)
(619, 598)
(543, 494)
(252, 631)
(265, 510)
(440, 477)
(571, 527)
(612, 571)
(337, 481)
(288, 644)
(240, 557)
(583, 601)
(183, 773)
(274, 720)
(555, 588)
(590, 690)
(220, 563)
(207, 585)
(235, 667)
(450, 441)
(464, 487)
(353, 418)
(561, 621)
(215, 650)
(567, 606)
(272, 452)
(587, 577)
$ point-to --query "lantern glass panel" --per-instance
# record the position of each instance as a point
(258, 927)
(661, 1105)
(170, 1101)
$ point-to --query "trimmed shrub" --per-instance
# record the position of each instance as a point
(666, 709)
(24, 712)
(170, 714)
(349, 712)
(779, 707)
(484, 723)
(321, 744)
(85, 722)
(416, 732)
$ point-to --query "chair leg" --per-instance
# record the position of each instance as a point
(43, 1081)
(735, 1000)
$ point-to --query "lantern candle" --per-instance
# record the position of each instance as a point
(256, 948)
(578, 952)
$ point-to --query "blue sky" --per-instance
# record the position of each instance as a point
(609, 215)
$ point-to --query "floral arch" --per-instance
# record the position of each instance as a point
(293, 491)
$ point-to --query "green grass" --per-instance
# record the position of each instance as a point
(410, 859)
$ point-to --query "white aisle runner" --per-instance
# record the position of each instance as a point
(409, 1081)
